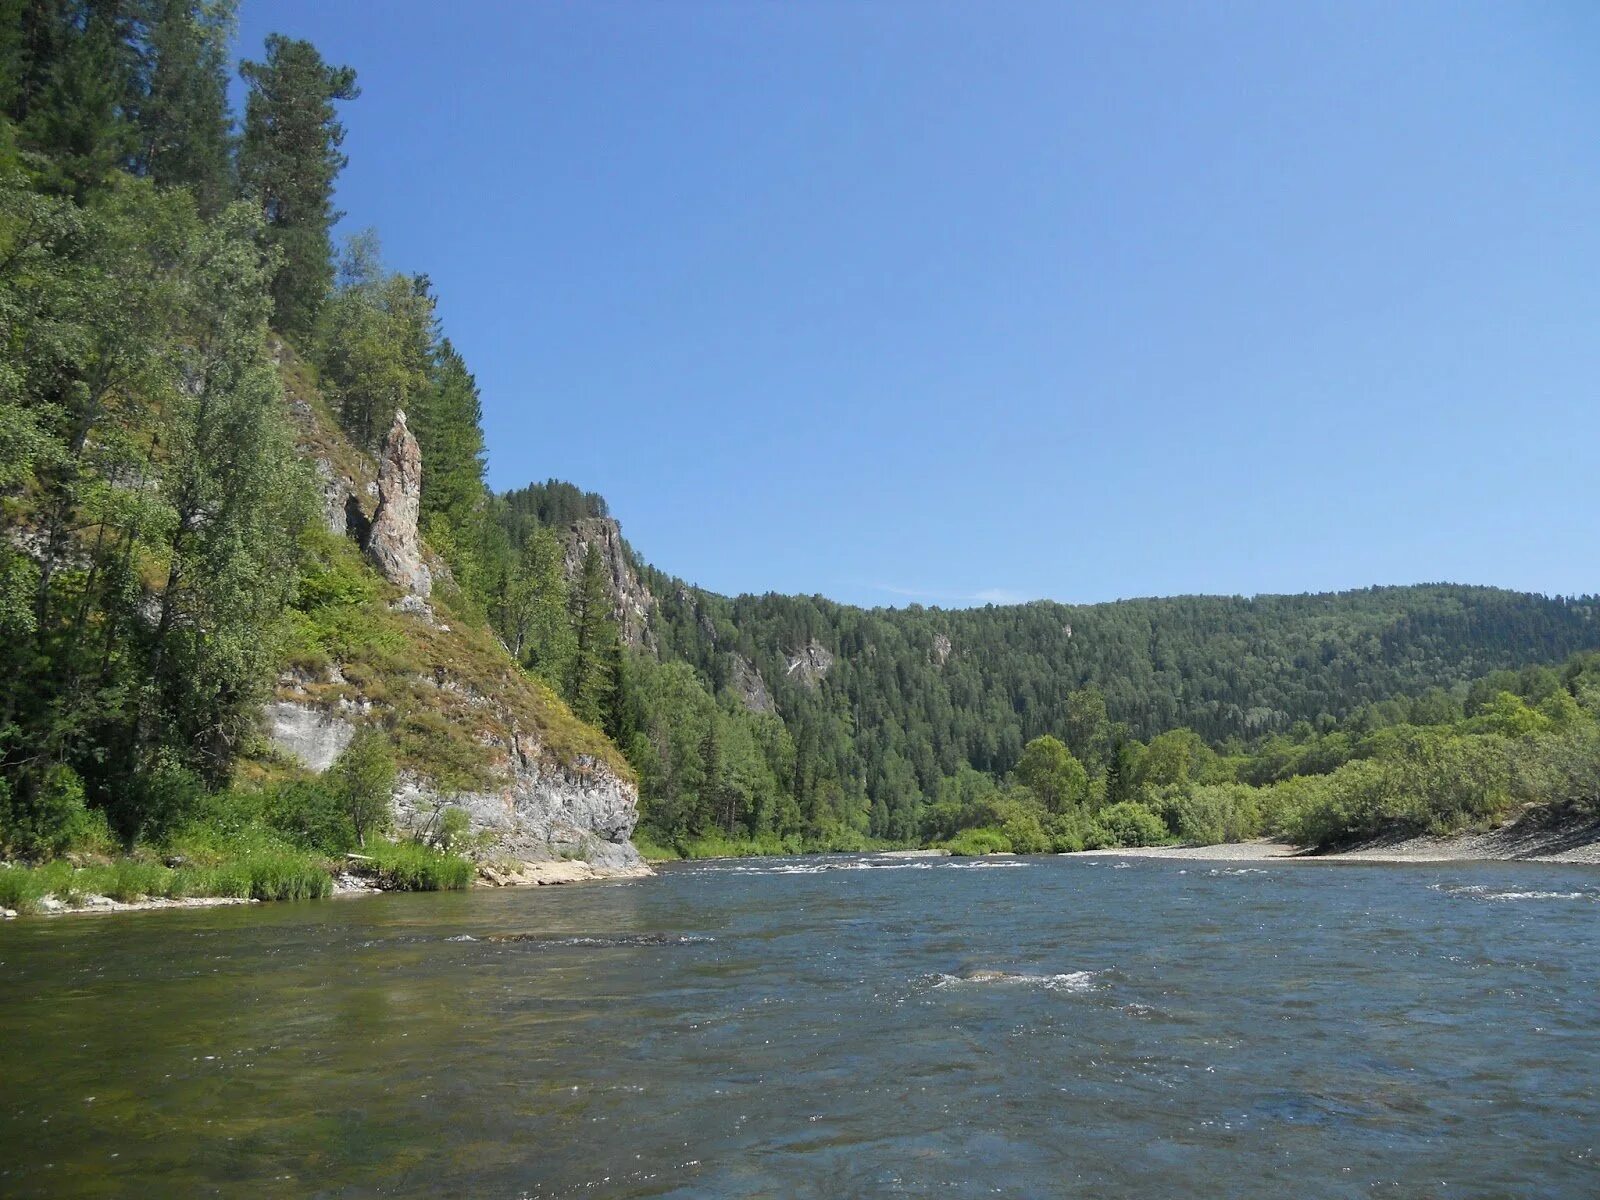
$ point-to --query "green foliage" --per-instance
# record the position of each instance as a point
(589, 678)
(1207, 814)
(409, 866)
(653, 851)
(288, 160)
(983, 840)
(184, 125)
(536, 621)
(1048, 769)
(50, 819)
(362, 782)
(311, 815)
(373, 345)
(1126, 824)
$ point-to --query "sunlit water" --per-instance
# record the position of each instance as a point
(1162, 1028)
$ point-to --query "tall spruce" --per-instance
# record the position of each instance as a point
(185, 130)
(589, 679)
(289, 159)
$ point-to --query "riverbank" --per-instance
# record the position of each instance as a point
(1536, 838)
(359, 876)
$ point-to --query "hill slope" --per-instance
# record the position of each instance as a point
(878, 709)
(470, 729)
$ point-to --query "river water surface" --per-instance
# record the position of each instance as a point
(813, 1028)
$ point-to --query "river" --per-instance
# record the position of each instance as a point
(826, 1028)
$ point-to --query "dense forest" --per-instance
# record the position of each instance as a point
(163, 561)
(166, 263)
(794, 722)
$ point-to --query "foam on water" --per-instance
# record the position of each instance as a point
(856, 865)
(616, 939)
(1478, 891)
(1068, 981)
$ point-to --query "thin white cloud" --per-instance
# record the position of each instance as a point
(944, 596)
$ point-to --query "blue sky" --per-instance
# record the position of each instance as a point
(963, 302)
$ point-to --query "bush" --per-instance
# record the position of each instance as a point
(1206, 814)
(1126, 824)
(310, 815)
(1438, 783)
(653, 851)
(50, 820)
(985, 840)
(159, 800)
(1066, 833)
(362, 781)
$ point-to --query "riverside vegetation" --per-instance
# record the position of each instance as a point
(182, 344)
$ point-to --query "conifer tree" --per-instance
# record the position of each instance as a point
(288, 161)
(589, 683)
(538, 625)
(184, 125)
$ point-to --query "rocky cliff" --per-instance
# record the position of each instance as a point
(631, 601)
(548, 797)
(393, 541)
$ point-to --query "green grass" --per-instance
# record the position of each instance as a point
(256, 872)
(413, 867)
(653, 851)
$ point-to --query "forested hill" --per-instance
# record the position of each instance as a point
(794, 713)
(1225, 666)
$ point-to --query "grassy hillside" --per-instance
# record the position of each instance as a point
(443, 684)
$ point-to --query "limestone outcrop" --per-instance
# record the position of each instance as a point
(810, 664)
(392, 543)
(545, 812)
(631, 601)
(746, 681)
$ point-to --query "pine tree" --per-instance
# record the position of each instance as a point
(74, 72)
(184, 124)
(589, 680)
(538, 625)
(288, 161)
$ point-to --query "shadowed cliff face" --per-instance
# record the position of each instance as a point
(393, 542)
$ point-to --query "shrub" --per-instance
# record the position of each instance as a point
(159, 800)
(362, 780)
(1126, 824)
(985, 840)
(311, 815)
(653, 851)
(1206, 814)
(47, 818)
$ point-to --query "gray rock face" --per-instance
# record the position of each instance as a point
(311, 735)
(810, 664)
(392, 543)
(631, 602)
(547, 811)
(745, 680)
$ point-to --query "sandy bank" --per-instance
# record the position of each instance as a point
(1533, 839)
